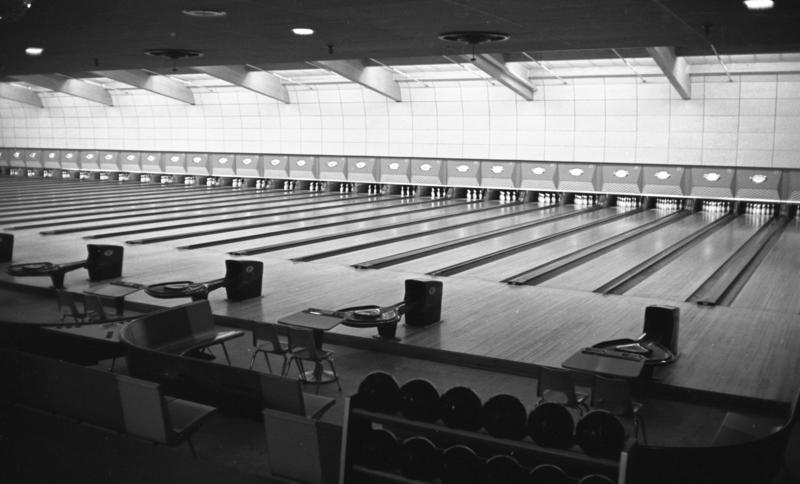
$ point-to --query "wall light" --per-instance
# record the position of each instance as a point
(759, 4)
(34, 51)
(302, 31)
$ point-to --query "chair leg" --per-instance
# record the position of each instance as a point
(225, 350)
(113, 363)
(284, 366)
(191, 446)
(335, 375)
(253, 359)
(266, 358)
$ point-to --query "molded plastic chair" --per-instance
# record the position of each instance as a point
(266, 340)
(302, 346)
(68, 308)
(556, 385)
(614, 395)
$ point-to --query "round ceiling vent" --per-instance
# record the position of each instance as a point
(474, 37)
(174, 54)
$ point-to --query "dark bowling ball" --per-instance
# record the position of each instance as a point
(420, 459)
(460, 408)
(460, 465)
(595, 479)
(600, 434)
(419, 400)
(504, 417)
(379, 450)
(549, 474)
(378, 392)
(504, 469)
(551, 425)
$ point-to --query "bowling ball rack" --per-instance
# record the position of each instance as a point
(103, 262)
(432, 450)
(195, 290)
(242, 281)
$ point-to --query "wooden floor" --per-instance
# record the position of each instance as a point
(746, 352)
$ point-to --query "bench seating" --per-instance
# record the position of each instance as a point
(179, 330)
(104, 399)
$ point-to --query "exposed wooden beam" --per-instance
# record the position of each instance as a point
(154, 83)
(20, 94)
(495, 66)
(73, 87)
(378, 79)
(260, 82)
(675, 68)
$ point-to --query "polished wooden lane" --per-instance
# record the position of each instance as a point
(680, 278)
(521, 261)
(594, 273)
(780, 272)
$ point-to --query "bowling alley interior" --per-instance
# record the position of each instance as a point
(400, 241)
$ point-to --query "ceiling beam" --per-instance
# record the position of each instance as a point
(261, 82)
(675, 68)
(20, 94)
(378, 79)
(495, 66)
(73, 87)
(154, 83)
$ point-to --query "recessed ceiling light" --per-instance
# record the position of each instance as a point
(34, 51)
(759, 4)
(302, 31)
(204, 12)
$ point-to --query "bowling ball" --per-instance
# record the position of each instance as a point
(504, 417)
(504, 469)
(549, 474)
(551, 425)
(460, 465)
(420, 459)
(600, 434)
(378, 392)
(595, 479)
(379, 450)
(419, 400)
(460, 408)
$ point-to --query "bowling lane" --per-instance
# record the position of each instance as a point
(279, 220)
(596, 272)
(774, 284)
(457, 213)
(460, 254)
(478, 226)
(528, 259)
(681, 277)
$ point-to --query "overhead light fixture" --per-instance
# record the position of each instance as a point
(34, 51)
(204, 12)
(473, 38)
(302, 31)
(759, 4)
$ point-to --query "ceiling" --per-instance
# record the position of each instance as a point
(86, 35)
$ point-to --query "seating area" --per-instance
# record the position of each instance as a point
(115, 402)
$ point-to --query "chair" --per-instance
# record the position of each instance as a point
(556, 385)
(757, 460)
(270, 343)
(69, 309)
(302, 346)
(614, 395)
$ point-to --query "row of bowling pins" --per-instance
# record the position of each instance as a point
(84, 175)
(145, 178)
(545, 198)
(190, 180)
(237, 182)
(760, 208)
(261, 184)
(213, 181)
(104, 176)
(408, 191)
(317, 186)
(669, 204)
(475, 194)
(167, 179)
(289, 184)
(346, 187)
(374, 189)
(507, 196)
(438, 192)
(716, 206)
(585, 200)
(629, 202)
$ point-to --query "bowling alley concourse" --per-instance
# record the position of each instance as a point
(400, 241)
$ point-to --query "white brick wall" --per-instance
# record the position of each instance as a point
(752, 121)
